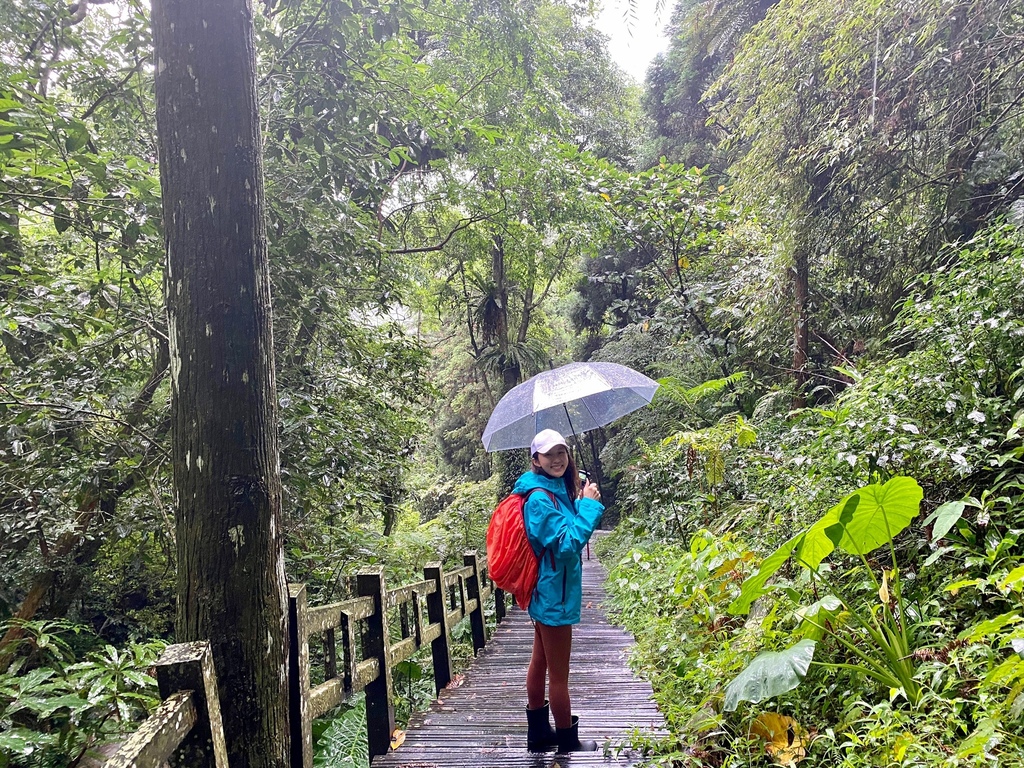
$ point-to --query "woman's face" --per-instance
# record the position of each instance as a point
(554, 462)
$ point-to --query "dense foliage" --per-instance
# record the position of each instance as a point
(949, 589)
(807, 226)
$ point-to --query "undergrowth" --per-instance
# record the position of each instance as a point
(703, 508)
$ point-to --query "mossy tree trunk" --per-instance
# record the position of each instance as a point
(231, 583)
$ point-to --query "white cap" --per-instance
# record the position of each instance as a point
(545, 440)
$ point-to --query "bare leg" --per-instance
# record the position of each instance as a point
(537, 672)
(556, 647)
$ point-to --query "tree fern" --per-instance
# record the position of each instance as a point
(677, 392)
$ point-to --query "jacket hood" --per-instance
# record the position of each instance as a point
(530, 480)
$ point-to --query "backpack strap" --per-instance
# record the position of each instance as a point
(554, 500)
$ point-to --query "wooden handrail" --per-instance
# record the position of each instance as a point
(186, 729)
(361, 627)
(159, 736)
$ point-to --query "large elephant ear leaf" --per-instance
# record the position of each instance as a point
(770, 674)
(753, 587)
(824, 535)
(883, 511)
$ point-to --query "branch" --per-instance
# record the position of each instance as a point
(554, 275)
(118, 86)
(478, 83)
(76, 15)
(463, 223)
(295, 43)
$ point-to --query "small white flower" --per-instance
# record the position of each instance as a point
(912, 429)
(950, 406)
(977, 417)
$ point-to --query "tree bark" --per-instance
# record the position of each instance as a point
(231, 582)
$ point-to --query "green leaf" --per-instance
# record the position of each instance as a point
(70, 701)
(745, 435)
(61, 218)
(343, 741)
(834, 532)
(945, 517)
(1013, 578)
(990, 627)
(812, 617)
(753, 587)
(982, 741)
(22, 741)
(880, 514)
(409, 669)
(77, 136)
(770, 674)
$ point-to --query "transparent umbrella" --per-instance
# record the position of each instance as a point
(571, 399)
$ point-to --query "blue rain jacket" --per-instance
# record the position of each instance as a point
(558, 535)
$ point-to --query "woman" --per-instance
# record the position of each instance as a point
(559, 523)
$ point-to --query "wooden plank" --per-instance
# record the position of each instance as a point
(380, 693)
(480, 722)
(404, 594)
(440, 653)
(366, 672)
(431, 632)
(300, 719)
(403, 649)
(189, 667)
(157, 737)
(326, 697)
(453, 576)
(473, 605)
(323, 617)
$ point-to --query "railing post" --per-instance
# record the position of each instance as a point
(436, 612)
(476, 616)
(380, 701)
(499, 605)
(300, 723)
(330, 654)
(348, 651)
(189, 667)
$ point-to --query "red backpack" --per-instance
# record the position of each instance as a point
(511, 562)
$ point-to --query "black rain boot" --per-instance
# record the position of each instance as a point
(540, 736)
(568, 739)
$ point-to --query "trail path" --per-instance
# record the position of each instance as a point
(481, 723)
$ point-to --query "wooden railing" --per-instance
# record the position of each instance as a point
(187, 725)
(426, 612)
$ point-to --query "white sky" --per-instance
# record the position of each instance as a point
(635, 43)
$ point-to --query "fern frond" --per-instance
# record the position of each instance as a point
(676, 391)
(343, 744)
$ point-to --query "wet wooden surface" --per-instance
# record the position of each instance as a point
(481, 723)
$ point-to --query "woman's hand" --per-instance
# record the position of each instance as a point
(591, 491)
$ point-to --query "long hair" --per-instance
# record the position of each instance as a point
(571, 478)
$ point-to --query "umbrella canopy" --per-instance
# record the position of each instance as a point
(572, 399)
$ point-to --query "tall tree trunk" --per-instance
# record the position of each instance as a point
(231, 583)
(801, 294)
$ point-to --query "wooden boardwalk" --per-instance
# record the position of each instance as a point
(481, 723)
